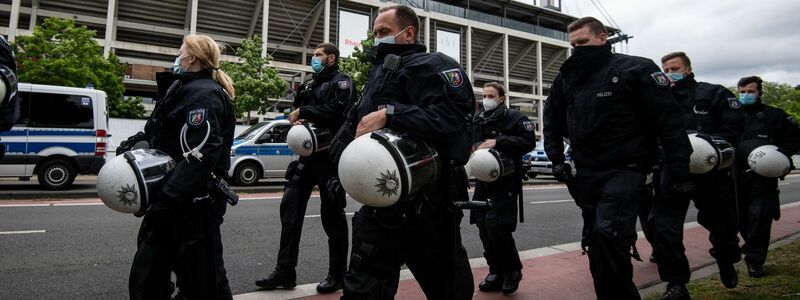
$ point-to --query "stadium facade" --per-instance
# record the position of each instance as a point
(516, 42)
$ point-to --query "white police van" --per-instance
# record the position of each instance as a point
(61, 132)
(261, 152)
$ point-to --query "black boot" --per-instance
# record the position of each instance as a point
(676, 291)
(492, 283)
(329, 285)
(278, 279)
(754, 270)
(728, 275)
(511, 282)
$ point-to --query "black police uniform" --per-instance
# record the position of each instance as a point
(758, 195)
(9, 111)
(513, 134)
(181, 229)
(321, 101)
(613, 108)
(427, 96)
(713, 110)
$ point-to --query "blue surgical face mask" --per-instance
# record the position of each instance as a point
(388, 39)
(316, 64)
(675, 76)
(747, 98)
(176, 66)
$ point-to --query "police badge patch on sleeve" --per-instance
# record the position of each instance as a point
(660, 78)
(734, 103)
(528, 125)
(196, 116)
(454, 77)
(344, 84)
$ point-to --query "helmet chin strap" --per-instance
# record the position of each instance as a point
(188, 150)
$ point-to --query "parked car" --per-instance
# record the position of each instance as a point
(538, 163)
(261, 152)
(61, 132)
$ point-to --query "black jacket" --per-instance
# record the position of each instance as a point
(9, 113)
(323, 99)
(773, 125)
(197, 99)
(512, 131)
(709, 108)
(431, 95)
(614, 108)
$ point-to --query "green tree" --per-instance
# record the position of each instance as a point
(61, 53)
(129, 108)
(358, 64)
(254, 80)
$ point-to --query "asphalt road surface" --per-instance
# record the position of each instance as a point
(85, 251)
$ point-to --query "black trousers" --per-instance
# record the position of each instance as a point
(424, 235)
(645, 207)
(496, 225)
(716, 207)
(759, 204)
(610, 202)
(315, 171)
(185, 240)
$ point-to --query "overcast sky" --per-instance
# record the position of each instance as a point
(725, 40)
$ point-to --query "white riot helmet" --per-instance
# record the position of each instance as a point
(488, 165)
(125, 181)
(384, 167)
(709, 154)
(767, 161)
(305, 140)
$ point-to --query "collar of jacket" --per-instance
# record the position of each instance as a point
(685, 83)
(576, 66)
(398, 49)
(189, 76)
(485, 117)
(326, 73)
(754, 108)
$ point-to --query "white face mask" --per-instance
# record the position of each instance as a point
(489, 104)
(388, 39)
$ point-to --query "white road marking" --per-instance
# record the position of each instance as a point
(23, 232)
(317, 216)
(551, 201)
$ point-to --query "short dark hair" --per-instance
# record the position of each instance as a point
(681, 55)
(329, 49)
(405, 16)
(501, 90)
(595, 26)
(750, 79)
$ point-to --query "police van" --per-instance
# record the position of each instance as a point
(261, 152)
(61, 132)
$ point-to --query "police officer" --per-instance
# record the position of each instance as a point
(427, 96)
(711, 110)
(321, 100)
(758, 195)
(511, 133)
(194, 124)
(613, 108)
(9, 101)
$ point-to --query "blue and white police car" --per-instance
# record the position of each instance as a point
(61, 132)
(261, 152)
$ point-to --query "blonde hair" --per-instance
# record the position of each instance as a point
(208, 53)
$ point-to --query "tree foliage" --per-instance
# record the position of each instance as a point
(358, 64)
(780, 95)
(254, 80)
(60, 53)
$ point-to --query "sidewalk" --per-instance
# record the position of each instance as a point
(561, 272)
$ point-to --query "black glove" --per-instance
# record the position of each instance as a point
(334, 186)
(562, 172)
(128, 144)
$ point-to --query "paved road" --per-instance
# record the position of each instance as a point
(84, 251)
